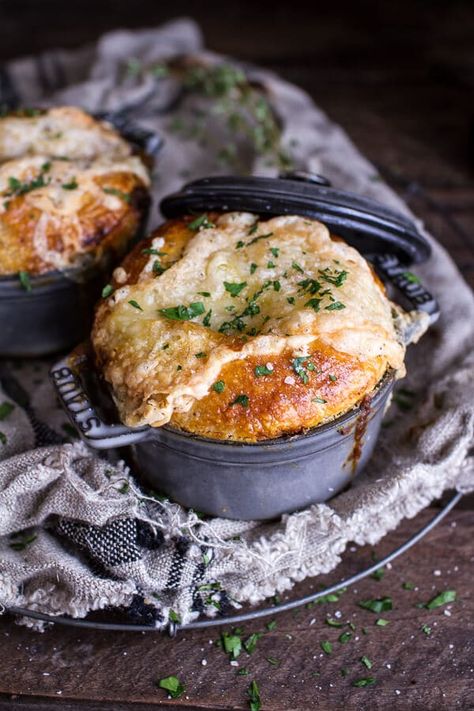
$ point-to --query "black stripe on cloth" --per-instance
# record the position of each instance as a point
(60, 79)
(177, 564)
(198, 605)
(9, 98)
(41, 71)
(44, 434)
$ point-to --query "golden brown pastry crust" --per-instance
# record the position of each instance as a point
(281, 402)
(56, 212)
(260, 395)
(59, 132)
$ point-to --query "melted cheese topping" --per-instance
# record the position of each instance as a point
(64, 131)
(65, 183)
(66, 188)
(242, 291)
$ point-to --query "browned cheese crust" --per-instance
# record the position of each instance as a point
(149, 359)
(70, 190)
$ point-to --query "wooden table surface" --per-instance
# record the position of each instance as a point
(400, 81)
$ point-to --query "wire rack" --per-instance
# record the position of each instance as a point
(172, 628)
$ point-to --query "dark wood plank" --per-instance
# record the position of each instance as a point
(108, 670)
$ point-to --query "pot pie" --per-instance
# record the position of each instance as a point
(70, 190)
(235, 328)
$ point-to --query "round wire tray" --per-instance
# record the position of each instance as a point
(172, 628)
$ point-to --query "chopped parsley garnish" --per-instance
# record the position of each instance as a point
(30, 112)
(232, 644)
(256, 239)
(300, 366)
(297, 267)
(72, 185)
(273, 661)
(365, 681)
(276, 285)
(441, 599)
(333, 623)
(313, 304)
(408, 586)
(262, 370)
(366, 662)
(172, 685)
(135, 305)
(201, 354)
(275, 251)
(253, 229)
(290, 299)
(311, 286)
(204, 293)
(272, 625)
(381, 622)
(336, 277)
(329, 597)
(332, 378)
(378, 574)
(243, 672)
(107, 291)
(126, 197)
(381, 605)
(207, 319)
(21, 541)
(253, 267)
(24, 278)
(17, 187)
(426, 629)
(241, 400)
(183, 313)
(234, 288)
(157, 268)
(240, 244)
(174, 617)
(219, 386)
(335, 306)
(6, 408)
(253, 692)
(326, 646)
(201, 221)
(270, 265)
(155, 252)
(251, 642)
(345, 637)
(412, 278)
(252, 309)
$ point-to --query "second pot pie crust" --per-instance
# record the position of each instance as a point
(70, 191)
